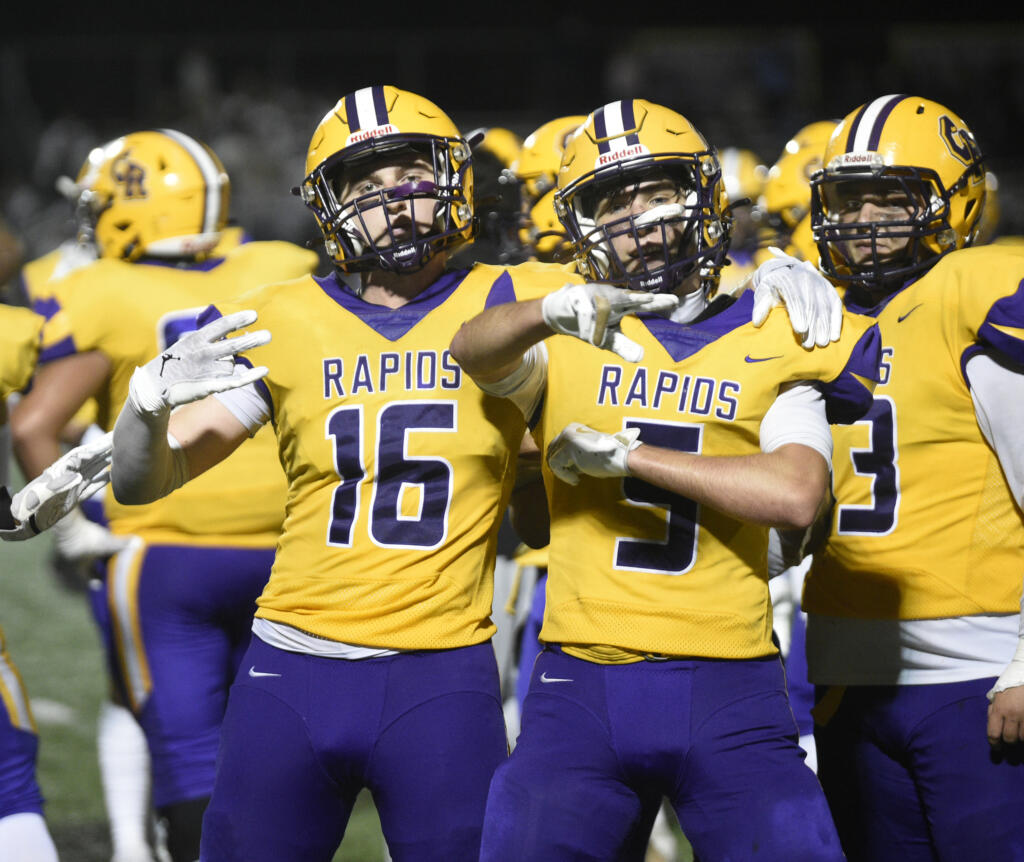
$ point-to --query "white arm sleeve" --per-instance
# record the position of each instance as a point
(247, 405)
(147, 463)
(797, 416)
(997, 391)
(998, 394)
(524, 386)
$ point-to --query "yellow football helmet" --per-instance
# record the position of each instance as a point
(912, 147)
(159, 193)
(621, 147)
(742, 174)
(373, 124)
(541, 154)
(786, 197)
(536, 170)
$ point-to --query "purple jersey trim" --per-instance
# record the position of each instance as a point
(965, 357)
(47, 307)
(1008, 312)
(846, 398)
(64, 347)
(684, 340)
(392, 323)
(502, 291)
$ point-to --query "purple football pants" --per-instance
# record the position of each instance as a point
(598, 742)
(182, 617)
(303, 735)
(910, 775)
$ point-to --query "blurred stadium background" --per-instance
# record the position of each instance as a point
(254, 88)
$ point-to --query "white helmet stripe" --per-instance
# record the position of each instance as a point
(865, 135)
(615, 126)
(210, 173)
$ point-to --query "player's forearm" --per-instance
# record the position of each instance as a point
(783, 488)
(491, 345)
(144, 467)
(35, 439)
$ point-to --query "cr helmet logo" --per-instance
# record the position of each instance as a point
(130, 175)
(366, 134)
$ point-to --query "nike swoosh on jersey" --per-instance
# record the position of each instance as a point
(255, 673)
(903, 317)
(749, 358)
(545, 678)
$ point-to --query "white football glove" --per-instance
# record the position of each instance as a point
(55, 492)
(78, 538)
(592, 313)
(198, 365)
(814, 307)
(580, 449)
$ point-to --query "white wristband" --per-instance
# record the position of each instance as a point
(1013, 676)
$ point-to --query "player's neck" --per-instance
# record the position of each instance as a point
(393, 290)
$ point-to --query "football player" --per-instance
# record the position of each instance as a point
(181, 587)
(914, 600)
(667, 459)
(23, 833)
(371, 665)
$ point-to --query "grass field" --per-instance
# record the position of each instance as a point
(54, 643)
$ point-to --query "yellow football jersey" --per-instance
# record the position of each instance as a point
(953, 545)
(399, 466)
(637, 570)
(132, 311)
(19, 347)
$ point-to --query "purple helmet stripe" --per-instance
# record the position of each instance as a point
(883, 115)
(351, 114)
(852, 136)
(611, 122)
(366, 108)
(380, 107)
(600, 130)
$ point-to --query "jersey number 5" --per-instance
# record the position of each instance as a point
(678, 552)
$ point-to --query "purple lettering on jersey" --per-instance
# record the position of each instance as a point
(703, 393)
(389, 363)
(426, 370)
(725, 398)
(362, 377)
(668, 382)
(333, 369)
(452, 380)
(637, 389)
(610, 377)
(392, 323)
